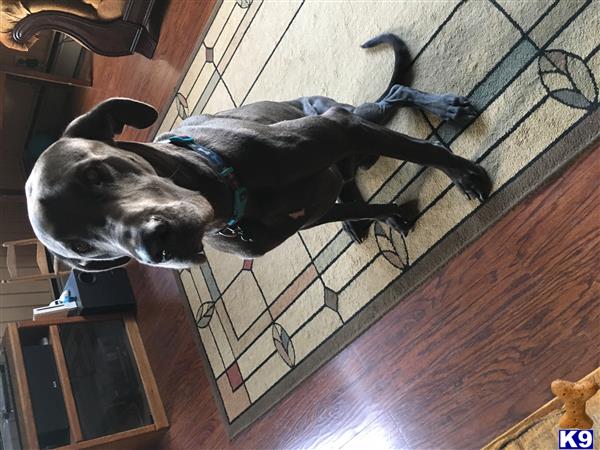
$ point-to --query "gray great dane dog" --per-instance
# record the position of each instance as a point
(242, 181)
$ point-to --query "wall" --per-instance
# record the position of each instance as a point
(17, 300)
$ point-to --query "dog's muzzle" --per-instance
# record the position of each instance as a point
(158, 240)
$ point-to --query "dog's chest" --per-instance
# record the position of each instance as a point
(303, 201)
(275, 215)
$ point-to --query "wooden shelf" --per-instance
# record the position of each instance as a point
(115, 441)
(148, 381)
(64, 320)
(140, 437)
(12, 343)
(65, 384)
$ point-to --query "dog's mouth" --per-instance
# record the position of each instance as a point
(166, 256)
(172, 259)
(181, 253)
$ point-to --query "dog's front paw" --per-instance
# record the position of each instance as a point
(400, 223)
(452, 107)
(474, 182)
(405, 217)
(357, 229)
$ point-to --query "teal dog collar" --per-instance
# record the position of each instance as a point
(240, 194)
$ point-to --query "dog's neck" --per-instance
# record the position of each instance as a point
(189, 171)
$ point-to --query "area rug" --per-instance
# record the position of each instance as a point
(530, 68)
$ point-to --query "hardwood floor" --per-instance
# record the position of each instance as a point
(149, 80)
(454, 364)
(467, 355)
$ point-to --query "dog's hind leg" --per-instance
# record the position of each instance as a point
(446, 106)
(378, 111)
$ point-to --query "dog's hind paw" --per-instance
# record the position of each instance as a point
(452, 107)
(357, 229)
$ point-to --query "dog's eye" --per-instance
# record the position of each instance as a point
(93, 175)
(81, 247)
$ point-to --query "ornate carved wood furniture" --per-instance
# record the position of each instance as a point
(136, 30)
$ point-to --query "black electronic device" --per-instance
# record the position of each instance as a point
(101, 292)
(47, 400)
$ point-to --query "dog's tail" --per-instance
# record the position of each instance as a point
(401, 57)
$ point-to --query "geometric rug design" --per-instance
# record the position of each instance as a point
(530, 68)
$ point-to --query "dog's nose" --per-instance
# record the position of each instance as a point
(154, 235)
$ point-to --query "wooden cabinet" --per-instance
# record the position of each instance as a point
(88, 351)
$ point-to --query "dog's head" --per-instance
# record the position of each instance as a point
(96, 203)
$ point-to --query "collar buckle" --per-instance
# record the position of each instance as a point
(234, 232)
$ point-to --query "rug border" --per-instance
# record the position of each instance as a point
(553, 161)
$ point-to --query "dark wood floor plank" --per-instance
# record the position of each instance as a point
(382, 433)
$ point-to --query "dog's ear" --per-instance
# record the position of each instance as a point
(96, 266)
(109, 117)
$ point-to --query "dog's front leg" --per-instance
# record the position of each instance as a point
(357, 229)
(366, 137)
(399, 217)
